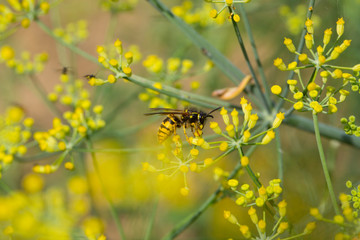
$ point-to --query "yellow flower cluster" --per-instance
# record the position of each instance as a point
(22, 12)
(15, 131)
(348, 221)
(350, 127)
(198, 16)
(238, 135)
(118, 62)
(313, 96)
(248, 198)
(82, 121)
(230, 4)
(73, 33)
(117, 6)
(24, 64)
(22, 212)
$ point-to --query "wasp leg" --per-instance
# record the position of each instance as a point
(187, 137)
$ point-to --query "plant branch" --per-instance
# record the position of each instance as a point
(265, 99)
(324, 165)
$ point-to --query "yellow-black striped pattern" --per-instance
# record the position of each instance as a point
(180, 118)
(168, 127)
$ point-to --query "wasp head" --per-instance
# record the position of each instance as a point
(203, 116)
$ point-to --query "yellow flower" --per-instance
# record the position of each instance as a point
(340, 27)
(33, 183)
(289, 44)
(230, 217)
(279, 118)
(278, 62)
(309, 41)
(233, 182)
(236, 18)
(327, 36)
(7, 53)
(276, 89)
(244, 161)
(253, 215)
(268, 137)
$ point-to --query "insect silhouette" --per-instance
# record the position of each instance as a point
(176, 118)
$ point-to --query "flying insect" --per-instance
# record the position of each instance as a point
(176, 118)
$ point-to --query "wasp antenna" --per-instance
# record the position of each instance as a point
(208, 115)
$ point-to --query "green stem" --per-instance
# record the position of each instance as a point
(264, 98)
(255, 52)
(6, 189)
(249, 170)
(151, 222)
(180, 94)
(106, 194)
(279, 155)
(324, 165)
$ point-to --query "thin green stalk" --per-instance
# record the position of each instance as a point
(330, 132)
(249, 170)
(152, 220)
(106, 194)
(245, 20)
(279, 155)
(324, 165)
(193, 98)
(37, 157)
(6, 189)
(265, 99)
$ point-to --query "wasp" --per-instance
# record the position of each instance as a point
(177, 118)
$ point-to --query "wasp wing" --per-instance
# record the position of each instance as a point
(164, 111)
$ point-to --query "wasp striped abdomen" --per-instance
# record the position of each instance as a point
(180, 118)
(168, 127)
